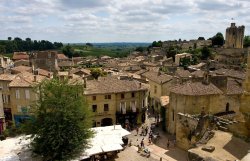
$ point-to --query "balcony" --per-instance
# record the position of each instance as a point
(127, 112)
(104, 113)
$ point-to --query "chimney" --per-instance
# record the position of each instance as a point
(85, 83)
(206, 79)
(35, 78)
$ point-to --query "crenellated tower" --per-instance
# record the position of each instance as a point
(234, 36)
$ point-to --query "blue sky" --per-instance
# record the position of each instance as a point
(120, 20)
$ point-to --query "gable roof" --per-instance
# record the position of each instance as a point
(26, 79)
(234, 87)
(113, 85)
(62, 56)
(183, 73)
(157, 77)
(196, 89)
(20, 69)
(20, 55)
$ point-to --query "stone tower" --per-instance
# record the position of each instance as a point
(234, 36)
(245, 98)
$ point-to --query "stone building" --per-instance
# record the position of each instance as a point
(213, 94)
(115, 101)
(47, 60)
(18, 95)
(245, 98)
(2, 118)
(159, 86)
(234, 36)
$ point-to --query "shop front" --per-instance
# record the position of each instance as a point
(128, 120)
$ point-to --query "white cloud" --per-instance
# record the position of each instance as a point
(116, 20)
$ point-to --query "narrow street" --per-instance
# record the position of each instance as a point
(158, 148)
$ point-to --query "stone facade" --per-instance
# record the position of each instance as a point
(115, 101)
(2, 118)
(234, 36)
(45, 60)
(185, 126)
(245, 98)
(231, 56)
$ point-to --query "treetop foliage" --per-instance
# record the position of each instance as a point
(60, 126)
(247, 41)
(97, 72)
(157, 44)
(218, 39)
(17, 44)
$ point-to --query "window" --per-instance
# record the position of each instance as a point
(27, 94)
(123, 107)
(49, 55)
(94, 108)
(108, 97)
(94, 98)
(133, 94)
(19, 108)
(17, 94)
(173, 114)
(155, 90)
(227, 107)
(122, 96)
(106, 107)
(133, 106)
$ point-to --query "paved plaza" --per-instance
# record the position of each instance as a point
(158, 148)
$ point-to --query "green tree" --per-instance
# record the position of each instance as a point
(2, 49)
(201, 38)
(9, 38)
(205, 53)
(60, 126)
(140, 49)
(89, 44)
(246, 41)
(157, 44)
(97, 72)
(68, 51)
(218, 39)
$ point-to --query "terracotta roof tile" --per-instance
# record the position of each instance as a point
(183, 73)
(113, 85)
(61, 56)
(7, 77)
(234, 87)
(157, 77)
(21, 69)
(20, 55)
(196, 89)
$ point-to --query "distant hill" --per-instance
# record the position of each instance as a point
(117, 44)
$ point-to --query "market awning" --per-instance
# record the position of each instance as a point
(111, 147)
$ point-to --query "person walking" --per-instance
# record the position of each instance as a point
(142, 143)
(146, 130)
(168, 143)
(137, 130)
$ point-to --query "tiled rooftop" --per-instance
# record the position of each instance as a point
(196, 89)
(113, 85)
(157, 77)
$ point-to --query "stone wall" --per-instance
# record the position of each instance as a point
(185, 126)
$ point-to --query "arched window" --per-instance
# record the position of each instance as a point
(227, 107)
